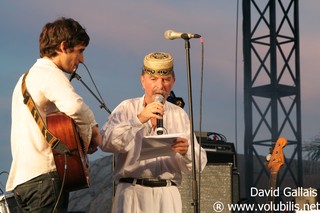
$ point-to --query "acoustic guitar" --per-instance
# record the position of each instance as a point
(73, 168)
(275, 161)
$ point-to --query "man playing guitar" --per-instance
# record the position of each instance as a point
(33, 177)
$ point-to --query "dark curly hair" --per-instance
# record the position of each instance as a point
(63, 29)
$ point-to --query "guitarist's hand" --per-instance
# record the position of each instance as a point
(95, 140)
(92, 149)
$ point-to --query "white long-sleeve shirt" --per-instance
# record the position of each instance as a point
(51, 91)
(123, 133)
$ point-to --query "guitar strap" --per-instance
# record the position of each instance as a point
(55, 143)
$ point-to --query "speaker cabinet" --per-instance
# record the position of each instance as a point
(307, 199)
(219, 185)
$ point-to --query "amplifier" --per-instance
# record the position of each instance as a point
(219, 184)
(218, 151)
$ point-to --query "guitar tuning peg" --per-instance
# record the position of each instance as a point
(268, 157)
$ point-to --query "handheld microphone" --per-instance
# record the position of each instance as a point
(171, 34)
(159, 129)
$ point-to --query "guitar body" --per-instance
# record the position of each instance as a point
(77, 172)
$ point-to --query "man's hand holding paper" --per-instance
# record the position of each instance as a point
(180, 145)
(163, 145)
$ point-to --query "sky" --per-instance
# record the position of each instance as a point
(123, 32)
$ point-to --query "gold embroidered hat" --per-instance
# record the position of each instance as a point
(158, 63)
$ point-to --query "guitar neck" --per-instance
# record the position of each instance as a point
(272, 188)
(273, 180)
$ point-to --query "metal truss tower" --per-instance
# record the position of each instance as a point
(272, 100)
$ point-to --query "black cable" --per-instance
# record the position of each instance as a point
(3, 172)
(63, 181)
(95, 86)
(200, 118)
(214, 136)
(236, 81)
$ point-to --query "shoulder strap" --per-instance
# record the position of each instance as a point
(55, 143)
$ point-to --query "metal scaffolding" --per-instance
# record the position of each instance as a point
(272, 100)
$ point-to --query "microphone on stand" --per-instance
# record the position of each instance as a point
(78, 77)
(171, 34)
(159, 128)
(72, 75)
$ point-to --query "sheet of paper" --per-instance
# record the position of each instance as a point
(158, 145)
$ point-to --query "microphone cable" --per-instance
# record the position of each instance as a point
(200, 120)
(102, 102)
(236, 81)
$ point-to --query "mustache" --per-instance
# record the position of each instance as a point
(159, 92)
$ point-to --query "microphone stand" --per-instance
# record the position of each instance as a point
(194, 173)
(102, 104)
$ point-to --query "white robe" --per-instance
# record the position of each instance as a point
(122, 135)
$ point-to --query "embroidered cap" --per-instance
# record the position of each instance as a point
(158, 63)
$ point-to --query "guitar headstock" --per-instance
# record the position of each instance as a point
(277, 156)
